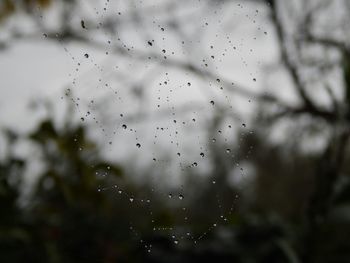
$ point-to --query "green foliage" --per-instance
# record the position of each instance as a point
(75, 213)
(9, 7)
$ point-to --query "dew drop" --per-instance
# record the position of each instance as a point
(82, 23)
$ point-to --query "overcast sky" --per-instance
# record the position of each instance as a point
(238, 36)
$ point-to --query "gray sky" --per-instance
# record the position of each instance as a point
(238, 36)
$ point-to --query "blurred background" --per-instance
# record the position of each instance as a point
(174, 131)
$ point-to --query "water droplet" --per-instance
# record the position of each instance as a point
(178, 154)
(149, 43)
(131, 199)
(86, 55)
(228, 150)
(244, 125)
(201, 154)
(176, 242)
(170, 195)
(181, 197)
(82, 23)
(138, 145)
(212, 102)
(124, 126)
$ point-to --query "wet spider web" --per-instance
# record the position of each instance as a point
(156, 85)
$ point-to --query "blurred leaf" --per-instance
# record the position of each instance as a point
(7, 7)
(45, 131)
